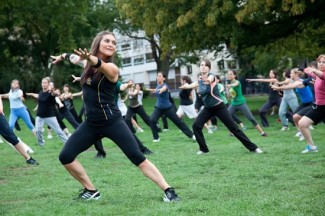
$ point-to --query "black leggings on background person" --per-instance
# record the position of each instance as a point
(266, 107)
(171, 114)
(222, 113)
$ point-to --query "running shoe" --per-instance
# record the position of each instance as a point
(89, 195)
(32, 161)
(170, 195)
(310, 148)
(258, 151)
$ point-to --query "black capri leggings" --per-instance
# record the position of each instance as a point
(87, 134)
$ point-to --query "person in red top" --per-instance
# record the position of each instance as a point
(317, 112)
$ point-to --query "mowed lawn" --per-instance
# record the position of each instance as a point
(227, 181)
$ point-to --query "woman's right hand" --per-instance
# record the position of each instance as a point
(56, 59)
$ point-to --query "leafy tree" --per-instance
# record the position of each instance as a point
(32, 30)
(288, 28)
(157, 19)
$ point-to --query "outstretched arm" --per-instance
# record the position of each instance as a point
(34, 95)
(296, 84)
(78, 94)
(314, 72)
(109, 69)
(285, 82)
(5, 95)
(125, 86)
(262, 80)
(72, 58)
(189, 86)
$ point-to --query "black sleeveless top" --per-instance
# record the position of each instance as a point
(274, 95)
(99, 100)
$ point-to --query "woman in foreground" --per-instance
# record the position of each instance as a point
(104, 119)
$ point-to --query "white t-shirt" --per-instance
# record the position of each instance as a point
(121, 105)
(14, 98)
(140, 97)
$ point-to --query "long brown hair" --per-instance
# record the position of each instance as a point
(89, 71)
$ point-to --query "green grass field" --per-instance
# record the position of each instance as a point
(227, 181)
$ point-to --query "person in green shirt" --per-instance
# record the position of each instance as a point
(238, 102)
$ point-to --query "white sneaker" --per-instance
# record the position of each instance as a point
(210, 131)
(284, 128)
(258, 151)
(201, 152)
(310, 148)
(311, 127)
(156, 140)
(194, 138)
(69, 134)
(1, 141)
(49, 136)
(298, 134)
(140, 130)
(301, 138)
(165, 129)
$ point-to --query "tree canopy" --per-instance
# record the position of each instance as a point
(277, 29)
(260, 33)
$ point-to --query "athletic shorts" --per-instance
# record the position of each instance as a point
(188, 110)
(316, 113)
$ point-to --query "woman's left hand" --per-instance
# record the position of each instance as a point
(83, 54)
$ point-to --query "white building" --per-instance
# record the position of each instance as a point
(139, 65)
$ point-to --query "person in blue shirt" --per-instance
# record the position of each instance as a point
(164, 107)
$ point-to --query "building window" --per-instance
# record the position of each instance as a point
(149, 57)
(189, 69)
(137, 44)
(138, 60)
(231, 64)
(221, 65)
(126, 62)
(125, 46)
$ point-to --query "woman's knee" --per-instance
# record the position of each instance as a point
(296, 117)
(65, 158)
(136, 157)
(304, 123)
